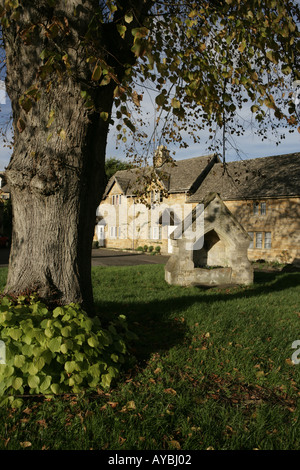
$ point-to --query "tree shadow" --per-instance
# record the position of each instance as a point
(154, 322)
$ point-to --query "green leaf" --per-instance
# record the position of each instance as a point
(64, 348)
(54, 344)
(93, 342)
(121, 30)
(33, 381)
(104, 116)
(66, 331)
(15, 333)
(26, 104)
(139, 32)
(19, 361)
(46, 383)
(128, 17)
(97, 73)
(70, 366)
(17, 383)
(160, 99)
(55, 388)
(33, 369)
(59, 311)
(39, 363)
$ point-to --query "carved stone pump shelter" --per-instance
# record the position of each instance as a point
(219, 258)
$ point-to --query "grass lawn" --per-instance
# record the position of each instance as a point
(213, 369)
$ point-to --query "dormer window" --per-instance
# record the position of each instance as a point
(156, 196)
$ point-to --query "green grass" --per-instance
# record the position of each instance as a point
(213, 369)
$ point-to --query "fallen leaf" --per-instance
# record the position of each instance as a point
(113, 404)
(175, 444)
(42, 422)
(25, 444)
(171, 391)
(131, 405)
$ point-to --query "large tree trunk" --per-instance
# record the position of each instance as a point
(56, 181)
(55, 189)
(56, 174)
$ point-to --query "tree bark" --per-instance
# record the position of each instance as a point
(56, 174)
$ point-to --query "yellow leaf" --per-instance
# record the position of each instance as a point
(171, 391)
(131, 405)
(97, 73)
(25, 444)
(175, 444)
(62, 134)
(128, 17)
(242, 46)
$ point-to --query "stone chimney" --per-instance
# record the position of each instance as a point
(161, 156)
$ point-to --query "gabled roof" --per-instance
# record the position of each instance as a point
(257, 178)
(185, 174)
(178, 176)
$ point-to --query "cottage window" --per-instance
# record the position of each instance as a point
(258, 240)
(268, 240)
(259, 208)
(116, 199)
(155, 233)
(114, 232)
(156, 196)
(255, 208)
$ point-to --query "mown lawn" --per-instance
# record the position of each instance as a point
(212, 369)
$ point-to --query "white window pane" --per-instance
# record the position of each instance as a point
(263, 208)
(268, 240)
(258, 243)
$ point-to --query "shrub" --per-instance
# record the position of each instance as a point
(140, 248)
(59, 351)
(157, 249)
(145, 247)
(151, 248)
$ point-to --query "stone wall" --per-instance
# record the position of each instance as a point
(282, 220)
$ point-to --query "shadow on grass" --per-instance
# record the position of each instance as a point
(154, 321)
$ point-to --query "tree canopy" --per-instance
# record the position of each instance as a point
(112, 165)
(204, 60)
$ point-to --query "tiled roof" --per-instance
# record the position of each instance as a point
(179, 176)
(265, 177)
(183, 175)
